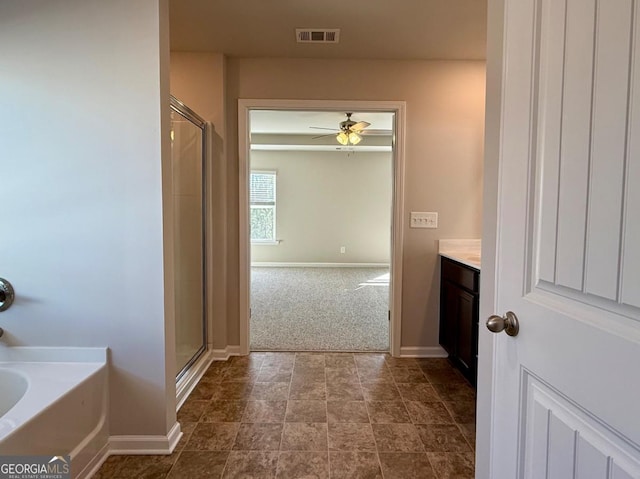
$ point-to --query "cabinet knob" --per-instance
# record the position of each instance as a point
(509, 324)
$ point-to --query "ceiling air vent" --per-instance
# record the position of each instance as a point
(317, 35)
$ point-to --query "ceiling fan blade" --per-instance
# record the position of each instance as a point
(320, 128)
(361, 125)
(322, 136)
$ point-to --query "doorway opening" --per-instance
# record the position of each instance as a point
(320, 226)
(320, 230)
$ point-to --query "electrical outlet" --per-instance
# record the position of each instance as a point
(424, 219)
(343, 249)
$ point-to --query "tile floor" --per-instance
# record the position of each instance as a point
(315, 415)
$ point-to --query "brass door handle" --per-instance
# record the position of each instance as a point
(509, 324)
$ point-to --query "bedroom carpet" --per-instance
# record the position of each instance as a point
(319, 309)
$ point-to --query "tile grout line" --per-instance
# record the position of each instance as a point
(226, 462)
(173, 464)
(442, 400)
(326, 408)
(245, 399)
(286, 408)
(426, 454)
(464, 436)
(424, 450)
(370, 425)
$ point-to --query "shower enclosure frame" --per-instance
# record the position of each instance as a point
(188, 114)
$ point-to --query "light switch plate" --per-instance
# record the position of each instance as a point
(424, 219)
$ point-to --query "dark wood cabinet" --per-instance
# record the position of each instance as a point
(459, 290)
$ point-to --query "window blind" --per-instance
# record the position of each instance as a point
(262, 188)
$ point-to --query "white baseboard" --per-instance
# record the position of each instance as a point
(174, 436)
(131, 445)
(95, 464)
(189, 381)
(319, 265)
(423, 352)
(224, 354)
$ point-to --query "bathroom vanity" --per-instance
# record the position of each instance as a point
(459, 300)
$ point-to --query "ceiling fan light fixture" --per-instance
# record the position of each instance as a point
(354, 138)
(342, 138)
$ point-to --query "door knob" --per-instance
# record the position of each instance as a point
(509, 324)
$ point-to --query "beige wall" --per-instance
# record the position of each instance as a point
(197, 79)
(326, 200)
(444, 144)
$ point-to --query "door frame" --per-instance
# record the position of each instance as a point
(496, 70)
(485, 393)
(397, 217)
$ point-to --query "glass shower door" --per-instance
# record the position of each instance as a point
(187, 157)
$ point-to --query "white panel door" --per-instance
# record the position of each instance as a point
(566, 389)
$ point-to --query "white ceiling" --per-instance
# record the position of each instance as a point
(376, 29)
(299, 122)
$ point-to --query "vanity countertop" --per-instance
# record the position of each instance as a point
(465, 251)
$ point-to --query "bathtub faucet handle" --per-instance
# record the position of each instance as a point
(7, 294)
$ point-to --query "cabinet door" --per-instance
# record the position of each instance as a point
(448, 316)
(465, 340)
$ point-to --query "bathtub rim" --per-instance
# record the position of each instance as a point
(29, 362)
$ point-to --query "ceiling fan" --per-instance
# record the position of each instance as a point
(348, 132)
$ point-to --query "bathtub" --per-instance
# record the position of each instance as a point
(53, 401)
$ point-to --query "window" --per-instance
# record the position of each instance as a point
(262, 200)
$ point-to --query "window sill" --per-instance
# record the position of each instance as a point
(265, 243)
